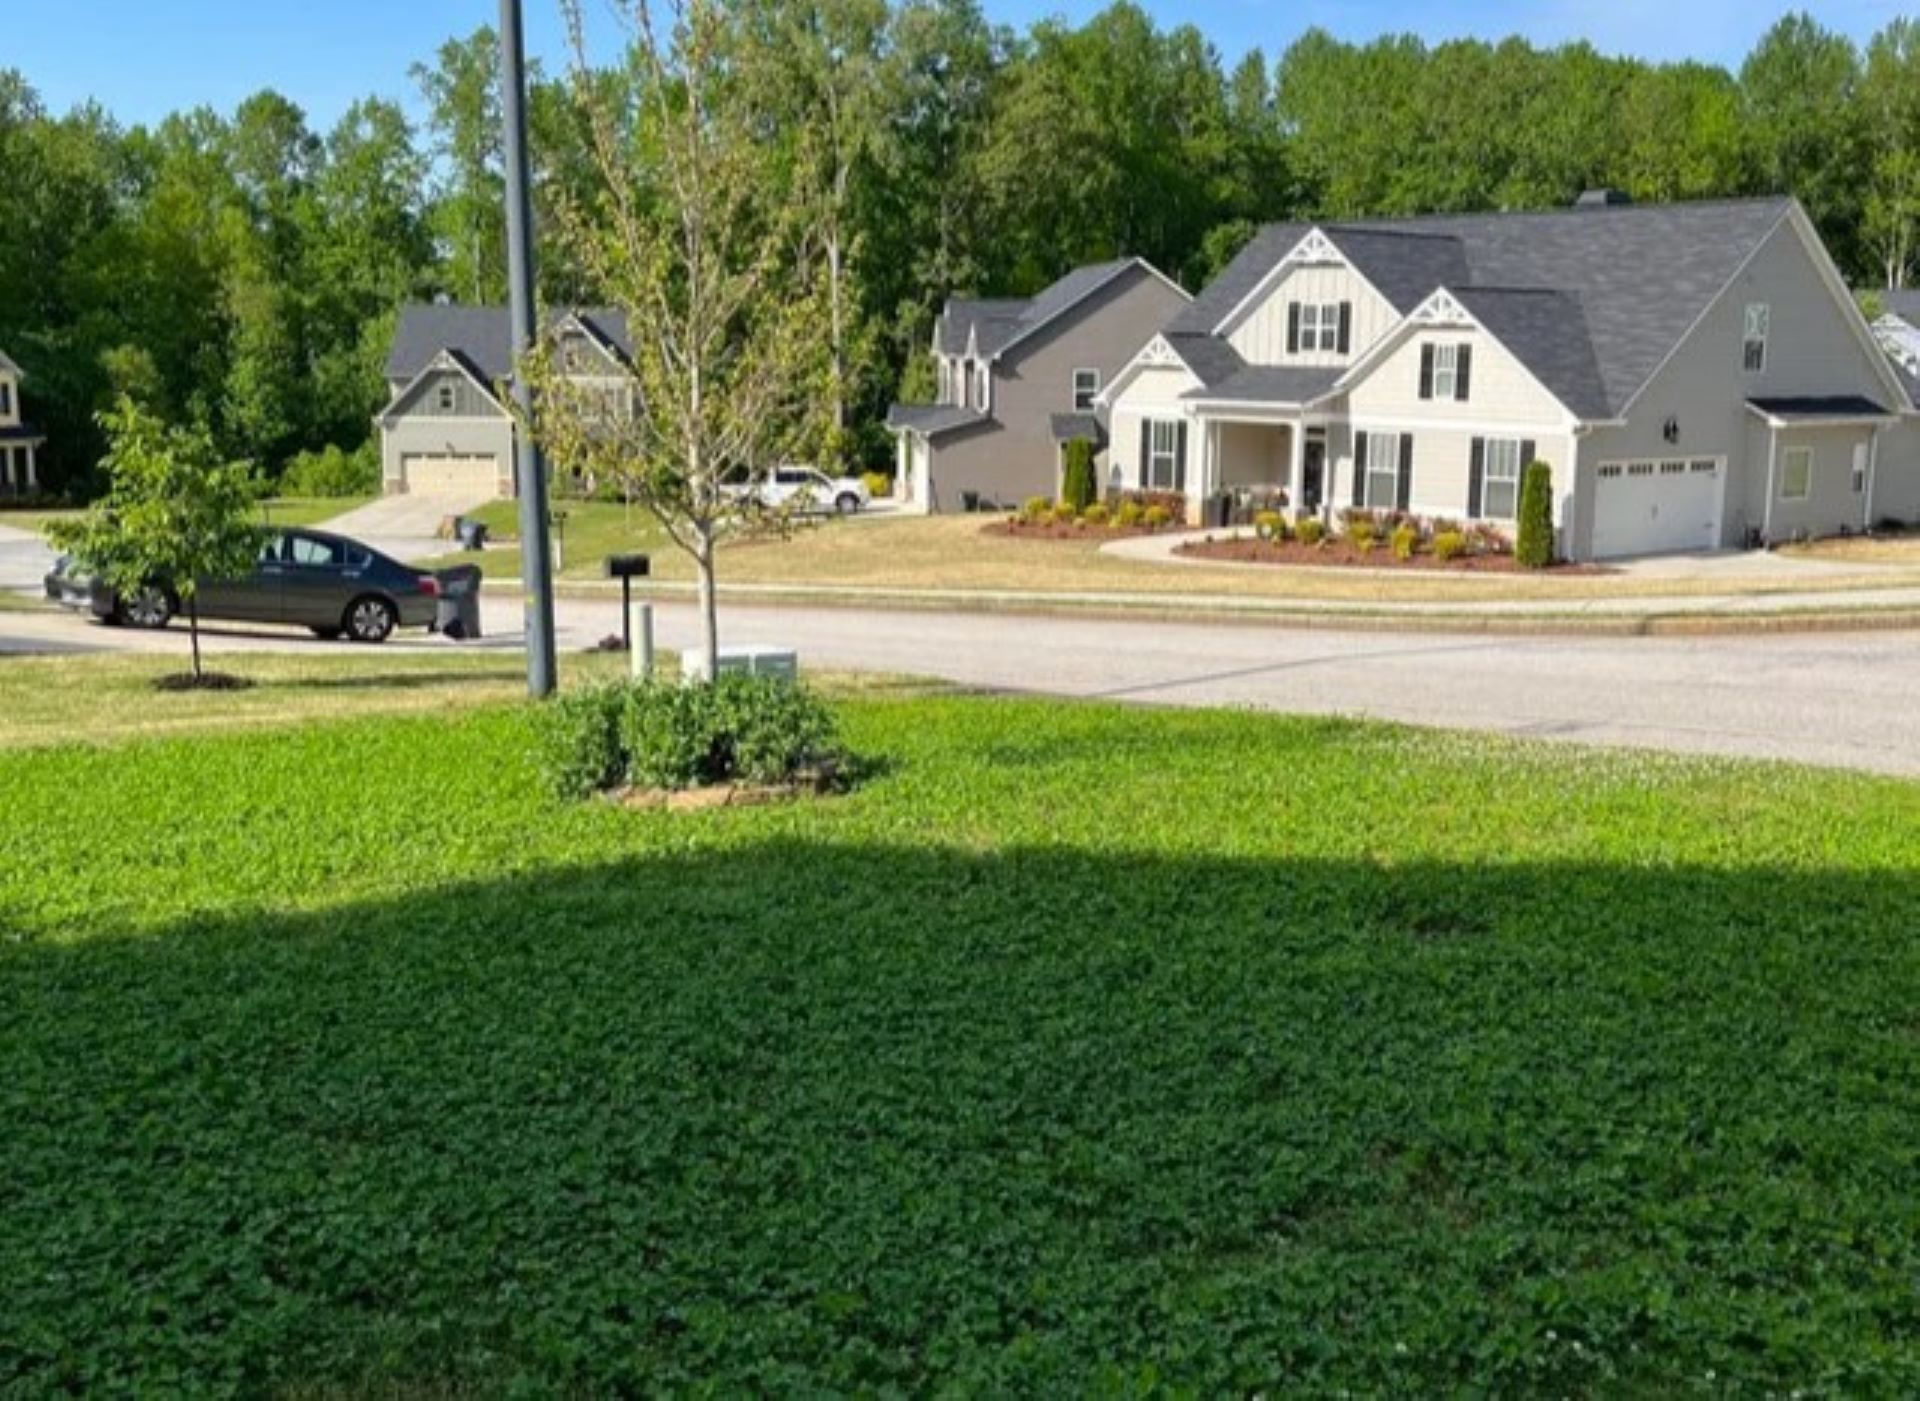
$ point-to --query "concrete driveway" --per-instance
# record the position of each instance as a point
(25, 559)
(1837, 699)
(405, 526)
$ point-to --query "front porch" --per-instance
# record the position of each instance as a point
(1247, 465)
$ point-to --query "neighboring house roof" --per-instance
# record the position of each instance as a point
(1637, 277)
(482, 337)
(1076, 427)
(932, 420)
(1813, 408)
(1900, 338)
(994, 324)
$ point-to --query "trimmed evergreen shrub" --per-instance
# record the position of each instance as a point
(1270, 525)
(1077, 485)
(1156, 516)
(1406, 539)
(1449, 544)
(1311, 530)
(752, 729)
(1533, 548)
(576, 741)
(1036, 509)
(1096, 514)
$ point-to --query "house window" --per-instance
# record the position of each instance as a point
(1086, 388)
(980, 388)
(1446, 371)
(1383, 471)
(1859, 469)
(1753, 342)
(6, 398)
(1796, 474)
(1163, 454)
(444, 396)
(946, 384)
(1319, 326)
(1500, 486)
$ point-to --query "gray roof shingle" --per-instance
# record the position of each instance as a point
(1271, 384)
(1547, 332)
(931, 420)
(482, 336)
(1070, 426)
(1812, 408)
(1000, 321)
(1639, 275)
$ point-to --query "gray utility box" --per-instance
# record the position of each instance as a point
(781, 662)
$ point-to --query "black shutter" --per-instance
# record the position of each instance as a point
(1476, 477)
(1346, 327)
(1463, 365)
(1359, 469)
(1180, 456)
(1293, 328)
(1426, 372)
(1526, 456)
(1403, 496)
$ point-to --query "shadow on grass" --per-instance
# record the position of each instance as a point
(802, 1116)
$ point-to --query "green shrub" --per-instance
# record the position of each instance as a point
(1156, 516)
(1534, 547)
(1036, 510)
(1077, 485)
(1270, 525)
(1095, 515)
(754, 729)
(1129, 514)
(1449, 544)
(1406, 539)
(577, 749)
(1363, 532)
(332, 472)
(878, 484)
(1310, 531)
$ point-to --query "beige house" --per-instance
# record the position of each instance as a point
(19, 440)
(1697, 376)
(446, 430)
(1018, 379)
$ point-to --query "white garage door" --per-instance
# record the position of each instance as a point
(440, 474)
(1650, 508)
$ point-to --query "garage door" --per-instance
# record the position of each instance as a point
(438, 474)
(1650, 508)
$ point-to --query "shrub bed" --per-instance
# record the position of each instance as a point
(655, 737)
(1378, 539)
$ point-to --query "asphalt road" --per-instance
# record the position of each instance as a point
(1841, 699)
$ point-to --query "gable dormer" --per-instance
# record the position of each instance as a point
(1314, 307)
(9, 393)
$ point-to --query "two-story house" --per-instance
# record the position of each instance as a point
(446, 430)
(19, 440)
(1696, 375)
(1020, 378)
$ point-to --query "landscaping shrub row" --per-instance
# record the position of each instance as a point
(655, 735)
(1122, 511)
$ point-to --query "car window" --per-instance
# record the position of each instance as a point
(273, 549)
(358, 558)
(306, 550)
(786, 476)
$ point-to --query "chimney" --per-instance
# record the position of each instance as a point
(1602, 199)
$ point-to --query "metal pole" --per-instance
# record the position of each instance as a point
(530, 469)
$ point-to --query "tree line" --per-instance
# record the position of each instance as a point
(241, 272)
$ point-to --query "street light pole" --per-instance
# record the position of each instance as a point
(530, 468)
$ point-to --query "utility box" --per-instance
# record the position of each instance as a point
(780, 662)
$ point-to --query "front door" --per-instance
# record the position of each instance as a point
(1313, 473)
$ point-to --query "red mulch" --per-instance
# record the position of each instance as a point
(1337, 552)
(1024, 530)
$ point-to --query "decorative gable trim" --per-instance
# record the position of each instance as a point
(442, 361)
(1316, 249)
(1442, 309)
(1156, 354)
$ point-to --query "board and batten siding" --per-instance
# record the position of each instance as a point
(1443, 463)
(1703, 389)
(1261, 336)
(424, 401)
(1153, 393)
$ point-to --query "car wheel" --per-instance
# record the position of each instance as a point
(147, 607)
(846, 503)
(325, 634)
(370, 619)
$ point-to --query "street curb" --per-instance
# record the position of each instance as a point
(1667, 622)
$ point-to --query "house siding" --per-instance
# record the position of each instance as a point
(1442, 463)
(1014, 456)
(1261, 337)
(1500, 390)
(1153, 393)
(469, 400)
(1811, 350)
(1896, 479)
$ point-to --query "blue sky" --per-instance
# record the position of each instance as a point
(144, 58)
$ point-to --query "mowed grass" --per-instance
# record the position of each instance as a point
(1080, 1049)
(903, 554)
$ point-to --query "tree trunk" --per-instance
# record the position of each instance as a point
(709, 605)
(193, 631)
(838, 333)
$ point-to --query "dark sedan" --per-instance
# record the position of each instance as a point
(328, 584)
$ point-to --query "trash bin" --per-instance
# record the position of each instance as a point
(472, 533)
(1220, 510)
(969, 501)
(458, 613)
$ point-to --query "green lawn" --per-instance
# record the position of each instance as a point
(1082, 1049)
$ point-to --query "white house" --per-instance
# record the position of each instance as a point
(19, 440)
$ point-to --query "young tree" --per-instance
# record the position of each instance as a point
(688, 236)
(175, 514)
(1078, 488)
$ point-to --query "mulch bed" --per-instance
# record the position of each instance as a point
(1338, 553)
(1024, 530)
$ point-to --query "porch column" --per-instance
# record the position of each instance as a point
(1296, 466)
(33, 481)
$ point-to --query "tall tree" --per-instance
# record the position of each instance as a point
(462, 89)
(1798, 92)
(1890, 118)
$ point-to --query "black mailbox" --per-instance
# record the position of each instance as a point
(629, 566)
